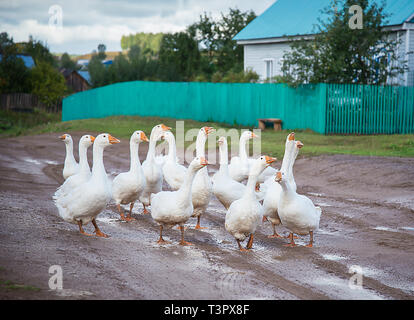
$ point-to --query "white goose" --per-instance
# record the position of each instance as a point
(84, 171)
(170, 208)
(297, 212)
(273, 189)
(239, 165)
(86, 201)
(202, 187)
(127, 186)
(70, 166)
(152, 170)
(225, 188)
(245, 214)
(173, 172)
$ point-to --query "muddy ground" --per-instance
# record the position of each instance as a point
(367, 221)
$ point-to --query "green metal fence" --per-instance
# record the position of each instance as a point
(324, 108)
(363, 109)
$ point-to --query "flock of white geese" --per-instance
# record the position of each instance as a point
(269, 194)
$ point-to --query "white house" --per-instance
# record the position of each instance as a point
(268, 36)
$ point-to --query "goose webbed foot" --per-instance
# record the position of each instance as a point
(98, 232)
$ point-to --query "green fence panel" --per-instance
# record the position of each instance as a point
(367, 109)
(232, 103)
(324, 108)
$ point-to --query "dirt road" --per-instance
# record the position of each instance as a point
(367, 221)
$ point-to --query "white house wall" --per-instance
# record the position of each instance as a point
(255, 56)
(411, 59)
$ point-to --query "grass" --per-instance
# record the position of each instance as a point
(19, 123)
(14, 124)
(9, 285)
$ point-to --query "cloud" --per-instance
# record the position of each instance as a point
(86, 23)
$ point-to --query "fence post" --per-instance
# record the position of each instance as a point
(323, 107)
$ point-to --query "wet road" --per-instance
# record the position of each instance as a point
(367, 221)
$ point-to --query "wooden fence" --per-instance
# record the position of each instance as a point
(25, 102)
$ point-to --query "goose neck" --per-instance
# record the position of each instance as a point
(250, 186)
(200, 145)
(243, 148)
(69, 152)
(172, 151)
(98, 168)
(83, 158)
(134, 156)
(224, 160)
(185, 189)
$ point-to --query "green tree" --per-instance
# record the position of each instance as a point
(47, 83)
(149, 43)
(97, 72)
(101, 51)
(179, 57)
(229, 54)
(38, 51)
(67, 63)
(13, 72)
(339, 54)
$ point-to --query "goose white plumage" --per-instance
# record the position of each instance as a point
(245, 214)
(173, 172)
(226, 189)
(297, 212)
(127, 186)
(84, 171)
(152, 170)
(86, 201)
(70, 166)
(273, 189)
(202, 186)
(170, 208)
(239, 165)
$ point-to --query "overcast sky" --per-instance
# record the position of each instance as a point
(86, 23)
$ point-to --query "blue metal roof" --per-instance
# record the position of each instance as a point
(299, 17)
(28, 60)
(85, 75)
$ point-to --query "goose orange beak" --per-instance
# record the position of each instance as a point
(291, 136)
(278, 177)
(62, 137)
(143, 136)
(92, 138)
(113, 140)
(164, 127)
(299, 144)
(254, 135)
(208, 130)
(270, 160)
(203, 161)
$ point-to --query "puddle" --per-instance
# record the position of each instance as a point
(316, 194)
(107, 220)
(73, 293)
(52, 162)
(408, 228)
(343, 290)
(380, 228)
(333, 257)
(30, 160)
(323, 204)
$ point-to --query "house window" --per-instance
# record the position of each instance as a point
(268, 68)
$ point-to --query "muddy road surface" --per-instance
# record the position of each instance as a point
(363, 250)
